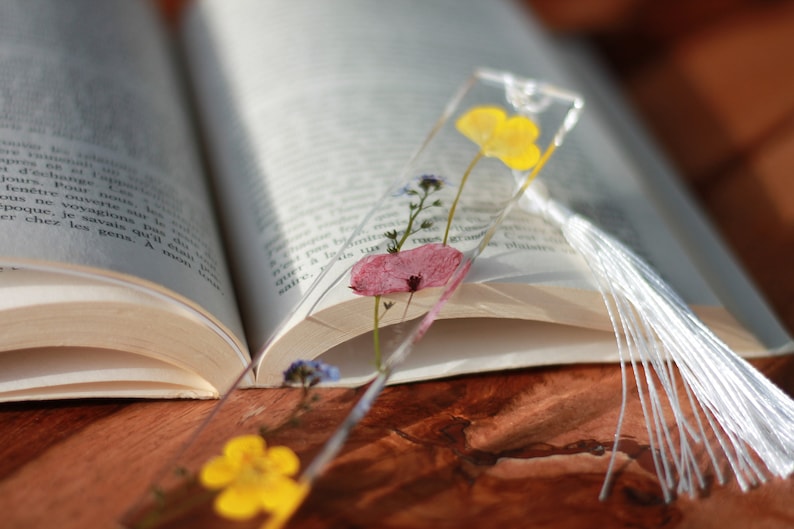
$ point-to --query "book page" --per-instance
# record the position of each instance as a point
(315, 107)
(70, 335)
(98, 164)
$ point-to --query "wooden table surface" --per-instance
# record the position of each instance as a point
(520, 449)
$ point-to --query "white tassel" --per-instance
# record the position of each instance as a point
(746, 416)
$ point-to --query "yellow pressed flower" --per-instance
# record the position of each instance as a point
(287, 507)
(479, 123)
(512, 143)
(511, 140)
(254, 478)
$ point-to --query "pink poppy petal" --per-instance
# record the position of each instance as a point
(429, 265)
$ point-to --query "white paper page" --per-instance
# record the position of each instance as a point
(98, 166)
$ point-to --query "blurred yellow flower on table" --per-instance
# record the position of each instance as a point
(253, 479)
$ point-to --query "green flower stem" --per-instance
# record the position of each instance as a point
(376, 334)
(407, 306)
(303, 406)
(541, 162)
(411, 218)
(524, 186)
(460, 190)
(159, 518)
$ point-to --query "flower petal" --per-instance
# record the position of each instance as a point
(310, 372)
(281, 494)
(429, 265)
(239, 502)
(282, 510)
(283, 460)
(244, 447)
(513, 143)
(479, 123)
(218, 472)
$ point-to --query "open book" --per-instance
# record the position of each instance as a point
(150, 247)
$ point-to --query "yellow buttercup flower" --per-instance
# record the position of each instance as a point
(480, 123)
(510, 139)
(253, 478)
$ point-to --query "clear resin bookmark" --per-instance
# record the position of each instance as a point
(388, 282)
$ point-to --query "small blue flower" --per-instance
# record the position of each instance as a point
(429, 181)
(308, 373)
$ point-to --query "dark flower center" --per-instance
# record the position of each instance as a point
(428, 182)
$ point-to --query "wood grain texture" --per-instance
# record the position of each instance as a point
(526, 448)
(517, 449)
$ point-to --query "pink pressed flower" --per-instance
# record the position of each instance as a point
(407, 271)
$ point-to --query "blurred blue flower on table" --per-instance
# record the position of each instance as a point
(308, 373)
